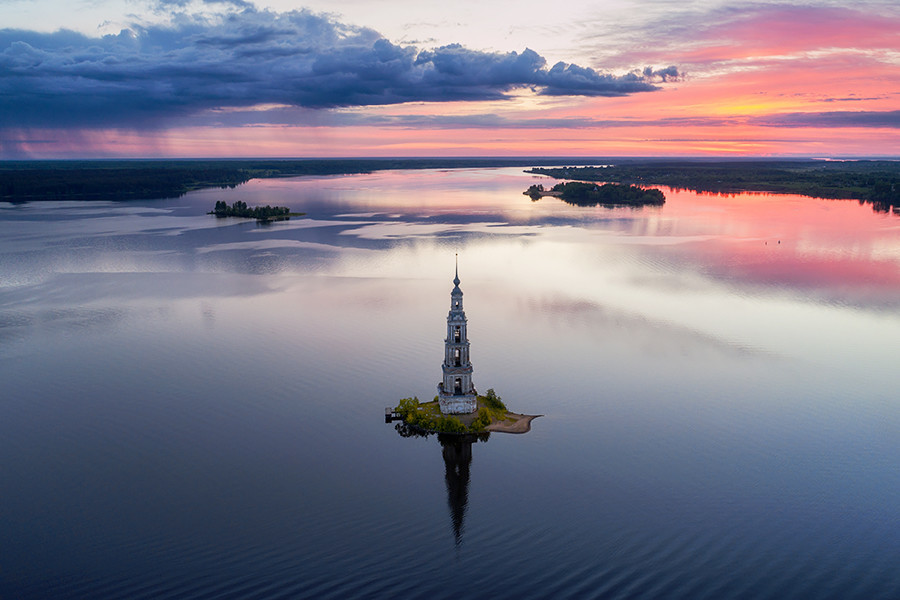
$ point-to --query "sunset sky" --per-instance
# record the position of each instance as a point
(207, 78)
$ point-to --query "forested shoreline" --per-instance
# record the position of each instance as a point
(873, 181)
(876, 182)
(31, 181)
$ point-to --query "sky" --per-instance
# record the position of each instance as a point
(235, 78)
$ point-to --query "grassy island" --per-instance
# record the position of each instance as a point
(876, 182)
(260, 213)
(492, 415)
(591, 194)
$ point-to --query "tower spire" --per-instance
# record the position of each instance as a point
(456, 277)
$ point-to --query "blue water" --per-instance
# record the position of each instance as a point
(192, 407)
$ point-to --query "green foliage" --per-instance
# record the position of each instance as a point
(448, 424)
(492, 400)
(406, 406)
(240, 209)
(483, 420)
(428, 416)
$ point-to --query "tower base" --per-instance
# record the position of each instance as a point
(452, 404)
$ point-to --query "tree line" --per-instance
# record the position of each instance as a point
(876, 182)
(240, 209)
(31, 181)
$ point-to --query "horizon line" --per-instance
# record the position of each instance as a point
(583, 157)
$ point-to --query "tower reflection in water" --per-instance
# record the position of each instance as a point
(457, 453)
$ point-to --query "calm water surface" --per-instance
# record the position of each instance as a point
(191, 407)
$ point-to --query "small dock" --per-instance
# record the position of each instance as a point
(391, 415)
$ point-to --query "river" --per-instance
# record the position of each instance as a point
(193, 406)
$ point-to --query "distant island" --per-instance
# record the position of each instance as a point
(876, 182)
(592, 194)
(260, 213)
(491, 416)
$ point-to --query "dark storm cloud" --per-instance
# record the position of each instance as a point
(843, 118)
(144, 77)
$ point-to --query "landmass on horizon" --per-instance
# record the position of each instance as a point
(876, 182)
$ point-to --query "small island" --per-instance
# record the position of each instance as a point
(260, 213)
(491, 416)
(580, 193)
(458, 409)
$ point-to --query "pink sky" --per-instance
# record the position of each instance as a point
(792, 81)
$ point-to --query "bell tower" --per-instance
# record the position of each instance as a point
(456, 393)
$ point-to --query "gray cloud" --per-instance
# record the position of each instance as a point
(340, 118)
(147, 76)
(842, 118)
(852, 99)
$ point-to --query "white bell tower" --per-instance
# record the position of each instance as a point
(456, 393)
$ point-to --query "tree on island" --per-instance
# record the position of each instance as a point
(591, 194)
(262, 213)
(536, 192)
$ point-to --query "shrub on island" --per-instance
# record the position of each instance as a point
(428, 417)
(483, 420)
(492, 400)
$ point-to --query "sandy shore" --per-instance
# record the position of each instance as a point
(522, 424)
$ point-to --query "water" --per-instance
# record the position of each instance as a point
(192, 407)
